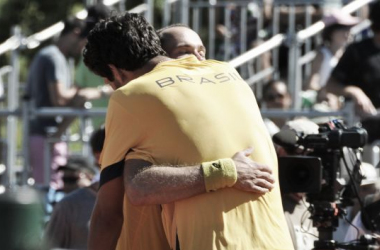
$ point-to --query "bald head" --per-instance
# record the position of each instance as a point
(179, 41)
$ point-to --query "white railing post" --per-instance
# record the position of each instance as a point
(228, 46)
(25, 142)
(150, 11)
(122, 6)
(211, 29)
(13, 104)
(294, 53)
(167, 13)
(185, 12)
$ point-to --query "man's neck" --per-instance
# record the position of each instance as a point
(155, 61)
(151, 64)
(61, 46)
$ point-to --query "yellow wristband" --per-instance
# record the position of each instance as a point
(219, 174)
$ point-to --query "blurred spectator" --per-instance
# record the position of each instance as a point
(336, 35)
(76, 173)
(83, 76)
(276, 96)
(263, 62)
(49, 84)
(357, 74)
(96, 142)
(361, 224)
(295, 205)
(69, 224)
(231, 30)
(369, 186)
(299, 11)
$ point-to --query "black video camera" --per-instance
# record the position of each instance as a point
(316, 169)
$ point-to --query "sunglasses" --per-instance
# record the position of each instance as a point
(272, 97)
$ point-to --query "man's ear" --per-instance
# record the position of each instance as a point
(77, 31)
(120, 74)
(114, 70)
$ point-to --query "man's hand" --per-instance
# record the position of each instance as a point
(78, 101)
(363, 104)
(377, 238)
(252, 176)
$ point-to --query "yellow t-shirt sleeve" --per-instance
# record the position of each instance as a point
(122, 134)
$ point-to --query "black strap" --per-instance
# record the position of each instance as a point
(111, 172)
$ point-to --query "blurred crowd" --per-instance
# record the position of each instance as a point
(343, 70)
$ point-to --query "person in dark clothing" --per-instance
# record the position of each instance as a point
(358, 71)
(357, 75)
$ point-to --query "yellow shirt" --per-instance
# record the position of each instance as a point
(186, 112)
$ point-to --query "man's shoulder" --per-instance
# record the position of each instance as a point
(79, 194)
(365, 44)
(49, 50)
(50, 53)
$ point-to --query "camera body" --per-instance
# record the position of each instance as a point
(316, 172)
(319, 172)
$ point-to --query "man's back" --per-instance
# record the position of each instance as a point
(185, 112)
(68, 226)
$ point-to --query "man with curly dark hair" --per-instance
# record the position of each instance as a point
(173, 128)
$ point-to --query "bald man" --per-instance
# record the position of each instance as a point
(179, 40)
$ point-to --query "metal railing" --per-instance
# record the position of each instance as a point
(296, 59)
(36, 39)
(346, 114)
(244, 62)
(242, 20)
(15, 44)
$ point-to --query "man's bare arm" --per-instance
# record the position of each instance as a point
(315, 77)
(107, 217)
(75, 97)
(147, 184)
(362, 102)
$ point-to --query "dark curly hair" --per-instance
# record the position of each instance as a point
(126, 41)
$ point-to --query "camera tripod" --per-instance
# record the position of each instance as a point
(325, 217)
